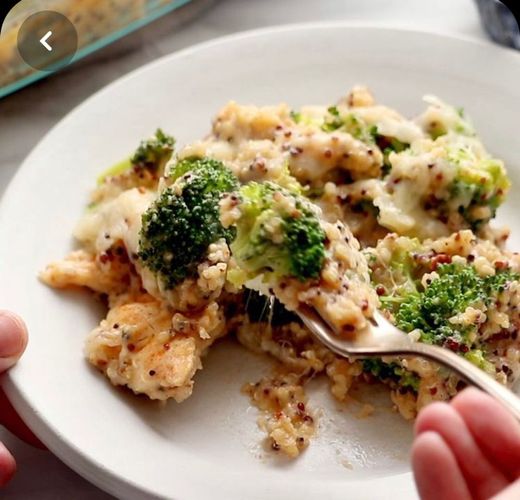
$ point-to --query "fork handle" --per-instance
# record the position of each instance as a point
(471, 374)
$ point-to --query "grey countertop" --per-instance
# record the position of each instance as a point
(26, 116)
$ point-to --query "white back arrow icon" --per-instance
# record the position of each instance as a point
(43, 40)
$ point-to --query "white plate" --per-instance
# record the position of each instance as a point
(208, 446)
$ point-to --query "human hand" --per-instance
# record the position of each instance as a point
(13, 340)
(468, 449)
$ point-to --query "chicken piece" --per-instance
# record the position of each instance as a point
(152, 350)
(315, 154)
(110, 273)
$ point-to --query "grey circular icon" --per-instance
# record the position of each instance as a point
(47, 40)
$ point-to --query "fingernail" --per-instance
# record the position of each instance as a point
(12, 335)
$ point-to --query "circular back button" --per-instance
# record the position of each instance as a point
(47, 40)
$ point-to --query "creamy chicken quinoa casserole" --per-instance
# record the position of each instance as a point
(346, 208)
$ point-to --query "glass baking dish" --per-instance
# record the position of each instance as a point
(97, 22)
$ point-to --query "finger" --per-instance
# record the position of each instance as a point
(10, 419)
(510, 493)
(7, 465)
(13, 339)
(436, 471)
(494, 429)
(482, 477)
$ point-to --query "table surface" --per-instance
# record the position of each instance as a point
(25, 117)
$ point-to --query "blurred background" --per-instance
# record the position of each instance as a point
(115, 37)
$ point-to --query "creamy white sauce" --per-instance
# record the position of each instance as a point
(116, 220)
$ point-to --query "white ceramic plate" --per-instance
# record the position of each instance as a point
(208, 446)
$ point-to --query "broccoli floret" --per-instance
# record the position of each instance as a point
(477, 357)
(391, 372)
(466, 185)
(455, 289)
(219, 178)
(429, 310)
(369, 134)
(154, 153)
(296, 116)
(333, 120)
(478, 183)
(151, 155)
(388, 145)
(181, 224)
(278, 232)
(350, 123)
(402, 271)
(435, 306)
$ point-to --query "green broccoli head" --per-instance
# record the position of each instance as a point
(392, 373)
(180, 225)
(278, 232)
(461, 185)
(442, 299)
(358, 128)
(351, 123)
(151, 157)
(479, 188)
(400, 274)
(154, 153)
(431, 310)
(219, 178)
(480, 181)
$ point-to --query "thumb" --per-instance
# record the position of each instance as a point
(13, 339)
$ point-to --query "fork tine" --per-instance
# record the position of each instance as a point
(381, 338)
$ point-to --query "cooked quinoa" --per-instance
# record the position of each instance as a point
(404, 210)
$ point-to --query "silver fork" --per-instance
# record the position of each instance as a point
(384, 339)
